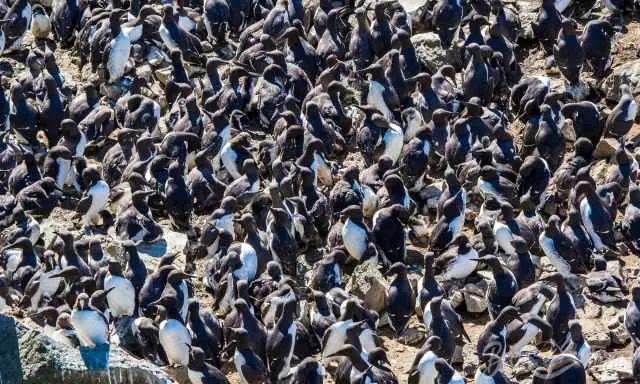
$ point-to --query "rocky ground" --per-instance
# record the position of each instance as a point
(612, 351)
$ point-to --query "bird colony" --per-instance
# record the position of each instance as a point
(444, 186)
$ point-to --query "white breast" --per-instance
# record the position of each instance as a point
(166, 38)
(185, 303)
(119, 56)
(228, 157)
(122, 299)
(585, 213)
(369, 202)
(393, 140)
(463, 266)
(90, 327)
(322, 170)
(225, 223)
(483, 378)
(134, 33)
(503, 237)
(292, 334)
(34, 231)
(455, 226)
(427, 368)
(530, 332)
(337, 336)
(174, 338)
(584, 353)
(375, 98)
(63, 168)
(239, 361)
(249, 263)
(186, 23)
(355, 239)
(632, 111)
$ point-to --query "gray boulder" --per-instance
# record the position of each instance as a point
(368, 284)
(613, 371)
(30, 357)
(627, 73)
(430, 53)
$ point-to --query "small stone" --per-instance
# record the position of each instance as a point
(411, 336)
(523, 368)
(145, 72)
(606, 148)
(368, 284)
(414, 279)
(597, 339)
(163, 74)
(456, 298)
(626, 73)
(430, 52)
(206, 47)
(592, 311)
(613, 323)
(474, 296)
(597, 357)
(568, 130)
(620, 336)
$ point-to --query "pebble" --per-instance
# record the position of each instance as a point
(592, 311)
(620, 336)
(597, 339)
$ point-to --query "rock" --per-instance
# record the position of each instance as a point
(456, 298)
(597, 357)
(42, 360)
(606, 148)
(626, 73)
(179, 374)
(414, 279)
(163, 75)
(592, 311)
(145, 72)
(613, 323)
(528, 12)
(474, 296)
(114, 90)
(620, 336)
(156, 57)
(430, 53)
(368, 284)
(415, 257)
(411, 336)
(597, 339)
(523, 368)
(207, 47)
(10, 370)
(613, 371)
(568, 130)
